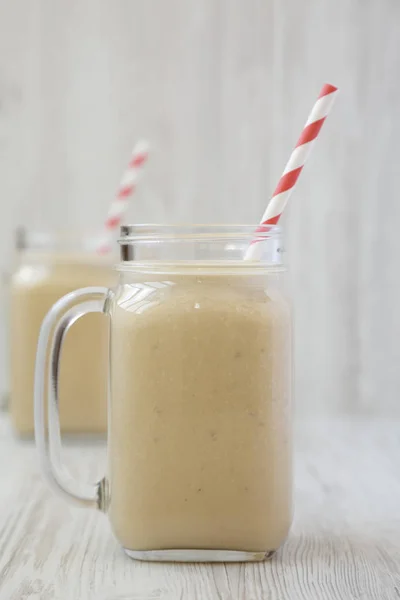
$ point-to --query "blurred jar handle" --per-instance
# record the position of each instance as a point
(5, 291)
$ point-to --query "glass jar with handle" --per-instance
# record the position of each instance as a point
(200, 453)
(51, 264)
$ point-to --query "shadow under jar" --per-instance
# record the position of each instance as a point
(200, 456)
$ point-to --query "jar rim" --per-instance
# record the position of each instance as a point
(157, 231)
(60, 240)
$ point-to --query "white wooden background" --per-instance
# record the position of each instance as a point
(222, 88)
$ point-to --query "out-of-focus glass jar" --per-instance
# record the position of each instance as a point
(49, 266)
(6, 274)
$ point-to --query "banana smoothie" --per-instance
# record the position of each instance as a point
(38, 283)
(200, 451)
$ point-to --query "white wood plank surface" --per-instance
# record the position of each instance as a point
(345, 543)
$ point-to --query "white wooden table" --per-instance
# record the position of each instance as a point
(345, 542)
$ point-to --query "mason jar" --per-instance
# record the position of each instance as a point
(51, 264)
(200, 442)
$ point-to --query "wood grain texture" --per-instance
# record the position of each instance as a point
(222, 88)
(345, 542)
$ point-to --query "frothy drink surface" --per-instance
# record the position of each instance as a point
(37, 285)
(200, 452)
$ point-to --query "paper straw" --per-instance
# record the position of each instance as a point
(126, 189)
(295, 165)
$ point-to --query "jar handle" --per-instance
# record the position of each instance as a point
(48, 435)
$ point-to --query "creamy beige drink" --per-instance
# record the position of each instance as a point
(200, 452)
(39, 282)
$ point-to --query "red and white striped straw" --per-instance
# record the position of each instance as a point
(126, 189)
(296, 163)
